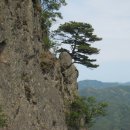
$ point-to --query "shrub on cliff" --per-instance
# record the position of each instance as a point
(2, 118)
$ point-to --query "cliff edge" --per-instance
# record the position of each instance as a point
(34, 85)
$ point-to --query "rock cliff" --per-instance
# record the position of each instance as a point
(33, 84)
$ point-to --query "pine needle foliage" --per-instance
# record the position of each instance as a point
(80, 37)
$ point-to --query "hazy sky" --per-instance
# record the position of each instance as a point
(111, 21)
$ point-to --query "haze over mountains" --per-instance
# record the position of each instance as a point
(98, 84)
(118, 97)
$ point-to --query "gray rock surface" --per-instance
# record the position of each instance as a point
(31, 99)
(65, 60)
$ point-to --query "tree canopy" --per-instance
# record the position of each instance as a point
(79, 36)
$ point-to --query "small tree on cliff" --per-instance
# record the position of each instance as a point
(50, 12)
(80, 36)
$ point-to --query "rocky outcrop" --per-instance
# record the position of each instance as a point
(32, 97)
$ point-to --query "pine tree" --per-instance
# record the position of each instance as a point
(80, 37)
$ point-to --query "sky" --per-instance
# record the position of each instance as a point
(111, 21)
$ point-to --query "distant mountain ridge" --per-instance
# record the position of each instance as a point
(98, 84)
(117, 95)
(127, 83)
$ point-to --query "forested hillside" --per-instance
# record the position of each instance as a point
(118, 98)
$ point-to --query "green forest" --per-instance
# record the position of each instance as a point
(116, 95)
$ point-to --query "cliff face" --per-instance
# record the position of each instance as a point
(32, 98)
